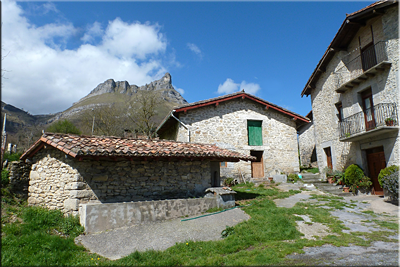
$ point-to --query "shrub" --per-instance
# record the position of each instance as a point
(365, 183)
(5, 180)
(391, 184)
(353, 174)
(229, 181)
(64, 126)
(293, 177)
(387, 171)
(12, 157)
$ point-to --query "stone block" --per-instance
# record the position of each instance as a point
(75, 185)
(100, 178)
(34, 175)
(81, 193)
(71, 204)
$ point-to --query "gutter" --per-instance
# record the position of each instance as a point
(187, 128)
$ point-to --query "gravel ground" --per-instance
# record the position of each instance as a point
(119, 243)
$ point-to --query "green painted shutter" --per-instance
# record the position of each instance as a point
(255, 133)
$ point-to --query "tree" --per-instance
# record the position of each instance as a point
(64, 126)
(144, 113)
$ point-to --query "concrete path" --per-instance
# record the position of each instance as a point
(119, 243)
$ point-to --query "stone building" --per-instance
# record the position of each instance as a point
(243, 123)
(308, 154)
(355, 95)
(69, 170)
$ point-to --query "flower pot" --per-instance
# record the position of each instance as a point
(389, 123)
(270, 178)
(346, 189)
(364, 191)
(331, 179)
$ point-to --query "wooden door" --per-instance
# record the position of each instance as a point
(369, 115)
(328, 157)
(257, 167)
(376, 162)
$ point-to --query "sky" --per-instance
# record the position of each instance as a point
(55, 53)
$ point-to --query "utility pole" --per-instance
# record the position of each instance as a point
(93, 123)
(3, 139)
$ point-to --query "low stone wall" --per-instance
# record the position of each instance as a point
(102, 217)
(19, 177)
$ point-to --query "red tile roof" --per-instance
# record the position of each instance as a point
(100, 146)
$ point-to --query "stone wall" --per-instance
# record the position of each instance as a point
(226, 126)
(19, 177)
(58, 181)
(306, 144)
(384, 87)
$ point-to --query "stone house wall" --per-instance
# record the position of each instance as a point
(384, 88)
(58, 181)
(306, 145)
(226, 126)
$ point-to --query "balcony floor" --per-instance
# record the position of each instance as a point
(364, 76)
(368, 134)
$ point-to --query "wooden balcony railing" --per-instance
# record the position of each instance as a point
(384, 114)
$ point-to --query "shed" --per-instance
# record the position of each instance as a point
(68, 170)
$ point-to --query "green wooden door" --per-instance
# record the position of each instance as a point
(254, 133)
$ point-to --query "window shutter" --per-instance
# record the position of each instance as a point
(254, 133)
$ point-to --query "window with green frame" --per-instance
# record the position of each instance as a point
(254, 132)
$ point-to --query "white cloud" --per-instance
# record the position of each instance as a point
(195, 49)
(180, 90)
(229, 86)
(43, 76)
(92, 32)
(250, 88)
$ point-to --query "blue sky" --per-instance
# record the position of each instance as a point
(55, 53)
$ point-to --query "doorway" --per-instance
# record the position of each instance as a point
(376, 162)
(328, 157)
(368, 109)
(257, 167)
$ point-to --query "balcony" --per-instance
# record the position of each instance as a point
(381, 118)
(361, 65)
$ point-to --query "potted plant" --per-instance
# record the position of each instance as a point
(339, 177)
(364, 185)
(329, 174)
(352, 176)
(389, 122)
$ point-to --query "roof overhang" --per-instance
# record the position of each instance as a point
(343, 37)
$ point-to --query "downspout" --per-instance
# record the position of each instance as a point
(187, 128)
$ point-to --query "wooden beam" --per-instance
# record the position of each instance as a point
(217, 104)
(370, 74)
(355, 23)
(266, 107)
(349, 86)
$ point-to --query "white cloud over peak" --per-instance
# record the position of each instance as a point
(229, 86)
(43, 75)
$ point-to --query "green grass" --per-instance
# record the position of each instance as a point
(33, 236)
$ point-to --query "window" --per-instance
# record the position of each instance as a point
(339, 108)
(254, 132)
(223, 164)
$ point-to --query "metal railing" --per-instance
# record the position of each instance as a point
(359, 61)
(384, 114)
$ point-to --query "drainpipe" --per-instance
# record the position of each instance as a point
(187, 128)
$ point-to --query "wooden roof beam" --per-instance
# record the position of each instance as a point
(355, 22)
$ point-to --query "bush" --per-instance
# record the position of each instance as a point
(391, 184)
(387, 171)
(292, 177)
(5, 180)
(353, 174)
(229, 181)
(64, 126)
(12, 157)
